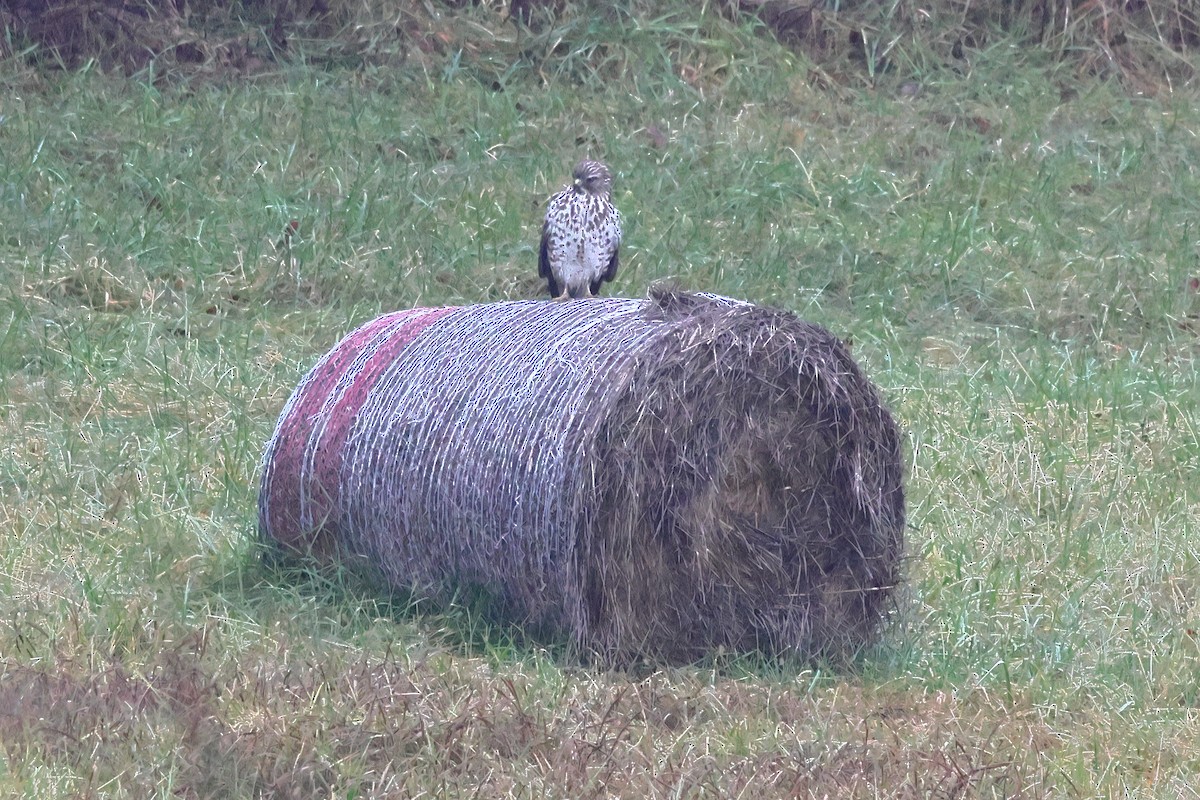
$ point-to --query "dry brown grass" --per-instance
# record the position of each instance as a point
(1137, 40)
(277, 723)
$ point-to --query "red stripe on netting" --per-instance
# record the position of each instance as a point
(318, 420)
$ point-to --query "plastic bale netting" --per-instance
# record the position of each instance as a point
(655, 478)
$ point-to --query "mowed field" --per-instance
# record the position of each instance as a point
(1011, 243)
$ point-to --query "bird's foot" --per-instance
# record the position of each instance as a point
(561, 297)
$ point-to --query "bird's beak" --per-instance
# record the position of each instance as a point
(578, 183)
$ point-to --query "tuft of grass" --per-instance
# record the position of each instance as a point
(1011, 249)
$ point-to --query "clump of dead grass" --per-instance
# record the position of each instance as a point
(358, 724)
(1140, 42)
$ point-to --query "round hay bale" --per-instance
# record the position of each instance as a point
(657, 478)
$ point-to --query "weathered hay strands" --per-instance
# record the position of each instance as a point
(656, 478)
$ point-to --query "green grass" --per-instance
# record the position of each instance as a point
(1013, 252)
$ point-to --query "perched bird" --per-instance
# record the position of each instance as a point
(581, 236)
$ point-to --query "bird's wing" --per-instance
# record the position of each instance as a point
(608, 274)
(614, 261)
(545, 270)
(610, 271)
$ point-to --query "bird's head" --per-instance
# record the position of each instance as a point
(592, 177)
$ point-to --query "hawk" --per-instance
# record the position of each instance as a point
(581, 235)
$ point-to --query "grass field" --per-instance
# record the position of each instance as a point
(1013, 247)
